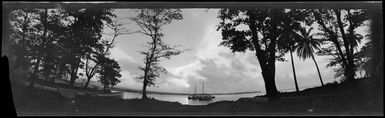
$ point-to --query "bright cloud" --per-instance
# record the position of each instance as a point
(128, 81)
(216, 66)
(118, 54)
(179, 82)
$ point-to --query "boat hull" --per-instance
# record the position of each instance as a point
(201, 97)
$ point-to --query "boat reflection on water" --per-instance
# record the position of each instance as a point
(199, 102)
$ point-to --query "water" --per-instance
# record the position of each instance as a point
(184, 100)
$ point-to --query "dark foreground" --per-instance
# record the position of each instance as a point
(353, 98)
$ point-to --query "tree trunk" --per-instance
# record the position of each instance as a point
(104, 88)
(268, 73)
(73, 73)
(148, 65)
(350, 71)
(89, 74)
(144, 93)
(271, 90)
(145, 82)
(319, 74)
(35, 76)
(295, 76)
(88, 82)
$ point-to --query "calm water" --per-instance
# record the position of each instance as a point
(184, 100)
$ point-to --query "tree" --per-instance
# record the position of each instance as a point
(51, 24)
(84, 34)
(307, 45)
(24, 35)
(91, 70)
(287, 41)
(151, 21)
(269, 25)
(109, 72)
(339, 27)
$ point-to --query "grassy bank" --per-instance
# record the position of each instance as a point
(355, 98)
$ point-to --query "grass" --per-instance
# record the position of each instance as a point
(352, 98)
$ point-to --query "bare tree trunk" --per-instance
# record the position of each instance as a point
(295, 76)
(319, 74)
(89, 76)
(350, 71)
(144, 93)
(35, 76)
(88, 82)
(73, 73)
(267, 64)
(271, 90)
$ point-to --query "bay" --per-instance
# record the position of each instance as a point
(185, 101)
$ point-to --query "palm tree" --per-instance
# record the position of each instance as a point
(287, 41)
(306, 46)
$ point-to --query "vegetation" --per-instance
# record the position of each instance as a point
(46, 44)
(343, 41)
(151, 21)
(272, 32)
(56, 42)
(266, 26)
(306, 47)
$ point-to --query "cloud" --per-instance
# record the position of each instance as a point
(179, 82)
(118, 54)
(217, 66)
(129, 66)
(306, 72)
(128, 81)
(221, 78)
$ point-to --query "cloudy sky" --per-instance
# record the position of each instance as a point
(216, 66)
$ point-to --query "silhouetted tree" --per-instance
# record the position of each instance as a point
(52, 27)
(25, 37)
(91, 70)
(307, 45)
(339, 28)
(287, 41)
(265, 27)
(151, 21)
(109, 72)
(84, 37)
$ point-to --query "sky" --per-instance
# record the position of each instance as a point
(205, 61)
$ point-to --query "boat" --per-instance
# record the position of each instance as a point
(202, 96)
(194, 96)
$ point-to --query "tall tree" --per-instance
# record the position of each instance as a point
(265, 27)
(25, 36)
(287, 41)
(84, 36)
(109, 72)
(51, 25)
(339, 27)
(117, 30)
(307, 45)
(151, 21)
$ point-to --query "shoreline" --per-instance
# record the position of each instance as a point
(39, 102)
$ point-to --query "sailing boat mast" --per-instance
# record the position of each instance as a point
(203, 87)
(195, 89)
